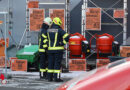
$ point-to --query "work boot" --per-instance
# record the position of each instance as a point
(44, 75)
(57, 77)
(58, 80)
(41, 75)
(50, 79)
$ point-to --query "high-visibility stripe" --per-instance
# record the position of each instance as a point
(43, 35)
(65, 35)
(55, 48)
(49, 39)
(56, 71)
(50, 71)
(41, 50)
(45, 41)
(55, 39)
(64, 42)
(39, 42)
(46, 69)
(44, 46)
(43, 70)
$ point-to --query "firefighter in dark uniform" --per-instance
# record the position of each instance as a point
(43, 47)
(57, 38)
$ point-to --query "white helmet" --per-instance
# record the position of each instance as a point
(48, 21)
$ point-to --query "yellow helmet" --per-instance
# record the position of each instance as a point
(57, 21)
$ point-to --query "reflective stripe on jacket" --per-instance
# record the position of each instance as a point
(43, 38)
(57, 38)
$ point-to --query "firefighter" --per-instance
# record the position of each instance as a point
(43, 47)
(57, 38)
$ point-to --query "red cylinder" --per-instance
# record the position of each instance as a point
(75, 44)
(104, 43)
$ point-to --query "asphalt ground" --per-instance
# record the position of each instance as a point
(10, 88)
(31, 81)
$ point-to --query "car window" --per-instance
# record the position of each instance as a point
(116, 63)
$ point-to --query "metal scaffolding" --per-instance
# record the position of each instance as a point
(43, 2)
(5, 13)
(7, 26)
(104, 11)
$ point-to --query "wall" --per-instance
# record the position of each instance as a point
(110, 29)
(19, 15)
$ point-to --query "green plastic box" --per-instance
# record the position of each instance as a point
(29, 52)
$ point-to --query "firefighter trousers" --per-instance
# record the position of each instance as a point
(43, 61)
(43, 66)
(54, 65)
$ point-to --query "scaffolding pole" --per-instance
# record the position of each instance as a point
(83, 18)
(5, 36)
(66, 29)
(125, 23)
(5, 46)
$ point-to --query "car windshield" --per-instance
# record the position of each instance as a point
(116, 63)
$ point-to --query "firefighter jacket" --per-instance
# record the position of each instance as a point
(43, 38)
(57, 38)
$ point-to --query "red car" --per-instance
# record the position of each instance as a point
(115, 76)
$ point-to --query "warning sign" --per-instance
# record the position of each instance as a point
(12, 58)
(118, 14)
(58, 13)
(33, 4)
(18, 65)
(2, 62)
(125, 51)
(36, 19)
(2, 46)
(93, 19)
(2, 51)
(102, 62)
(77, 65)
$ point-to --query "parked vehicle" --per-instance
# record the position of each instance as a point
(114, 76)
